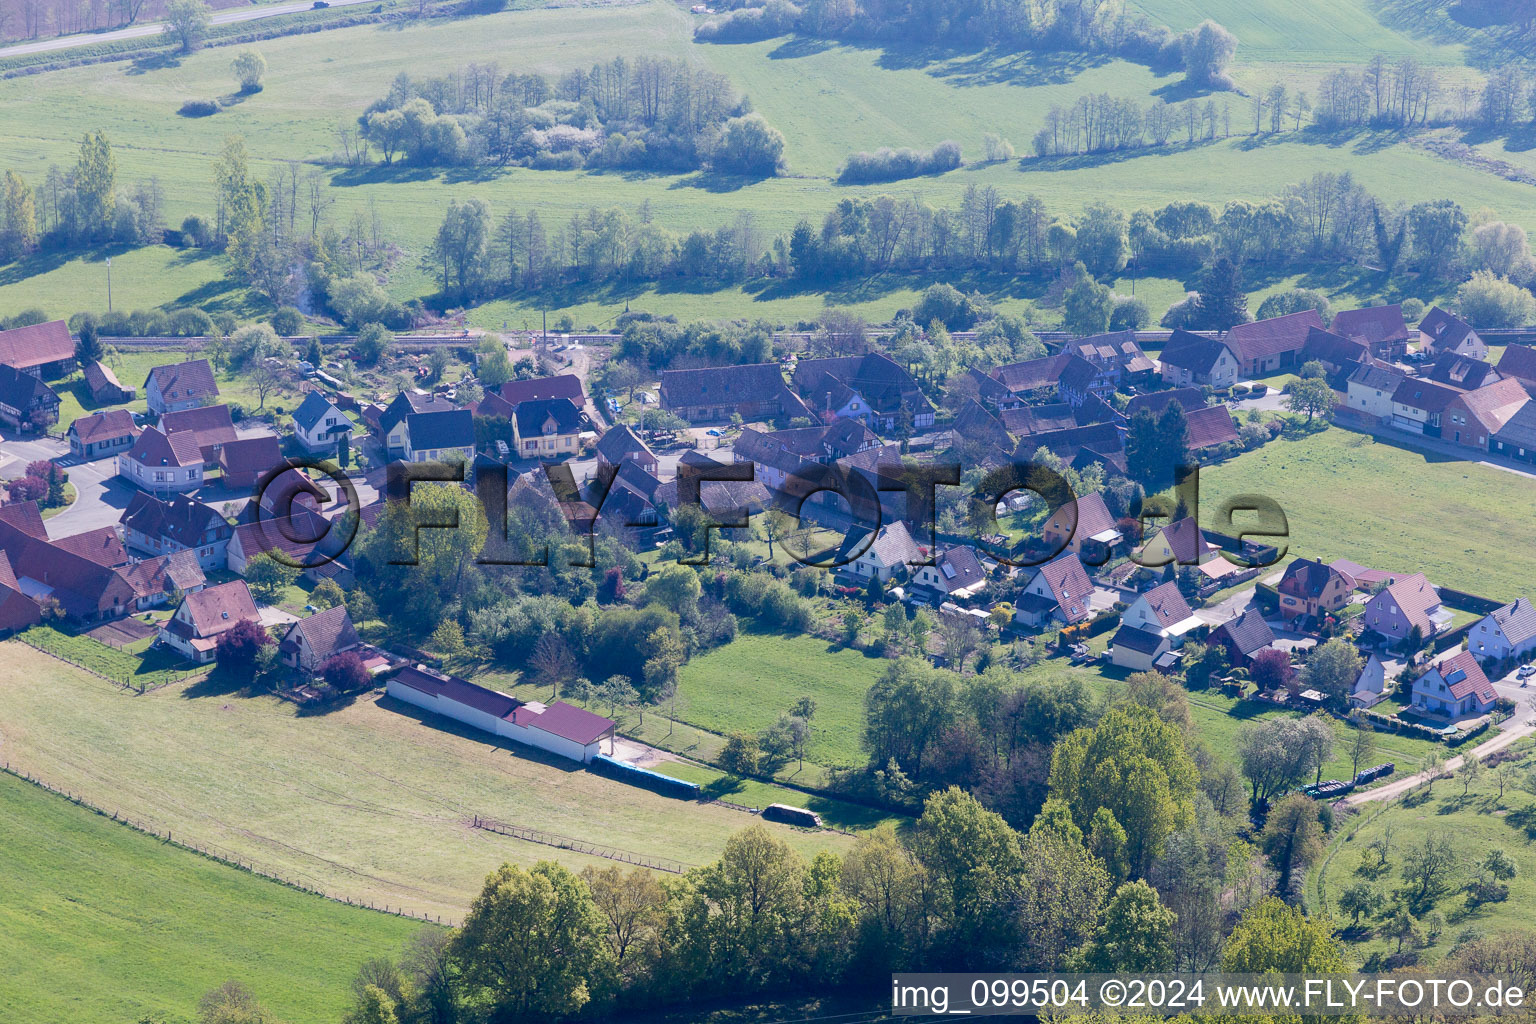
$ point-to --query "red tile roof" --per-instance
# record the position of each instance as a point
(327, 633)
(38, 345)
(1373, 326)
(1463, 676)
(1209, 427)
(217, 608)
(101, 546)
(1518, 361)
(1275, 336)
(572, 723)
(103, 426)
(24, 516)
(156, 449)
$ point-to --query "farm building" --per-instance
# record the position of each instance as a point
(41, 350)
(558, 728)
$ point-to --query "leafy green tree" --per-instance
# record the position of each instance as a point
(248, 67)
(373, 343)
(906, 710)
(18, 217)
(188, 22)
(375, 1006)
(1107, 841)
(1087, 306)
(96, 184)
(1292, 837)
(1222, 303)
(1360, 899)
(1272, 937)
(232, 1003)
(1136, 934)
(1294, 301)
(268, 578)
(741, 755)
(1490, 301)
(1312, 396)
(1333, 668)
(758, 888)
(749, 145)
(532, 947)
(1101, 239)
(974, 858)
(1428, 867)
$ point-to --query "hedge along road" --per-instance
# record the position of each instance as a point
(153, 28)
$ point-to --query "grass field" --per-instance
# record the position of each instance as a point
(127, 665)
(828, 101)
(102, 925)
(367, 801)
(1348, 495)
(1476, 824)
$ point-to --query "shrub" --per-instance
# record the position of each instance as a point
(346, 671)
(749, 145)
(199, 108)
(1129, 314)
(241, 643)
(287, 321)
(196, 232)
(749, 24)
(887, 164)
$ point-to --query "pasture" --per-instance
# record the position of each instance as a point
(1349, 495)
(102, 924)
(367, 801)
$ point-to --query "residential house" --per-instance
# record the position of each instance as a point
(543, 389)
(26, 403)
(548, 429)
(194, 629)
(714, 394)
(1371, 388)
(988, 390)
(1139, 650)
(41, 350)
(1079, 381)
(1441, 333)
(891, 551)
(1370, 686)
(1461, 372)
(1244, 637)
(558, 728)
(211, 425)
(101, 545)
(1031, 379)
(1028, 420)
(975, 427)
(1419, 406)
(1266, 346)
(620, 444)
(313, 640)
(1060, 590)
(180, 386)
(84, 590)
(244, 461)
(319, 425)
(1162, 610)
(1155, 402)
(164, 578)
(102, 434)
(1472, 419)
(1210, 427)
(439, 436)
(1380, 327)
(1118, 357)
(955, 575)
(773, 462)
(1517, 438)
(104, 386)
(1179, 543)
(1104, 440)
(1519, 361)
(1336, 352)
(1085, 527)
(871, 387)
(163, 464)
(1407, 603)
(1190, 359)
(391, 421)
(1311, 589)
(1455, 687)
(17, 610)
(631, 503)
(1506, 632)
(152, 526)
(22, 519)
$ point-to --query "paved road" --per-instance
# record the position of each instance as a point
(153, 28)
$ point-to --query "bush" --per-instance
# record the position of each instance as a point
(241, 643)
(887, 164)
(196, 232)
(749, 24)
(749, 145)
(1129, 314)
(287, 321)
(1488, 300)
(346, 672)
(199, 108)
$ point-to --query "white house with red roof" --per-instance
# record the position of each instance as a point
(1059, 590)
(1455, 687)
(1162, 610)
(193, 631)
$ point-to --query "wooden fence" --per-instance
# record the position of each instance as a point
(126, 681)
(560, 842)
(216, 853)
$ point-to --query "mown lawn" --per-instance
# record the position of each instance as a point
(1348, 495)
(133, 664)
(102, 925)
(1476, 824)
(749, 793)
(368, 800)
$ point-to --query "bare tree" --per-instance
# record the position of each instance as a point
(265, 379)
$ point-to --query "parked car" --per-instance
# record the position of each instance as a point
(712, 432)
(319, 5)
(1526, 671)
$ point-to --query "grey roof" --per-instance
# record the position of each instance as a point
(619, 441)
(407, 402)
(1192, 352)
(959, 568)
(722, 385)
(1373, 326)
(1375, 375)
(1248, 632)
(1446, 330)
(1520, 431)
(451, 428)
(312, 409)
(1463, 372)
(541, 417)
(1139, 640)
(20, 390)
(1517, 620)
(1155, 402)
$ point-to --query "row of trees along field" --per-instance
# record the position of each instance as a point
(646, 113)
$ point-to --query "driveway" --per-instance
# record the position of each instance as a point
(100, 498)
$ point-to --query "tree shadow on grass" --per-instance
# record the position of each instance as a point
(221, 681)
(161, 61)
(711, 181)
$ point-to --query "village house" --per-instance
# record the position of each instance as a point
(101, 545)
(1407, 603)
(1504, 633)
(558, 728)
(1266, 346)
(164, 578)
(714, 394)
(1380, 327)
(1473, 418)
(193, 630)
(43, 350)
(629, 505)
(955, 575)
(313, 640)
(1461, 372)
(543, 389)
(1156, 401)
(773, 459)
(26, 403)
(1519, 361)
(1060, 589)
(244, 461)
(1370, 686)
(439, 436)
(391, 421)
(1085, 527)
(83, 589)
(17, 610)
(318, 425)
(210, 425)
(1079, 381)
(1032, 379)
(1210, 427)
(1311, 589)
(1517, 438)
(152, 526)
(620, 444)
(1162, 610)
(548, 428)
(977, 428)
(1140, 650)
(1419, 405)
(180, 386)
(892, 551)
(1117, 356)
(1441, 333)
(104, 386)
(1180, 543)
(163, 464)
(1371, 388)
(1244, 637)
(871, 387)
(1454, 687)
(1190, 359)
(1336, 352)
(102, 434)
